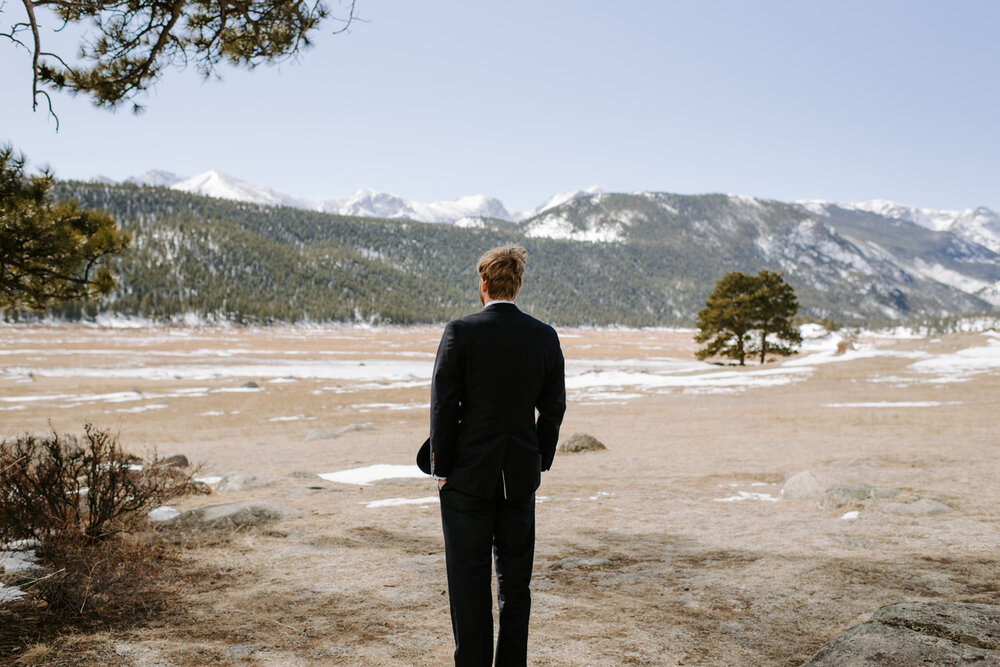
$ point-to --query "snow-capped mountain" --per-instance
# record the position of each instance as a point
(223, 186)
(563, 197)
(373, 204)
(363, 203)
(156, 178)
(976, 225)
(891, 265)
(642, 258)
(566, 215)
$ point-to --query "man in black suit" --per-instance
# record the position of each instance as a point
(494, 369)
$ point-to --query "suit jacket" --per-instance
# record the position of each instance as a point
(493, 370)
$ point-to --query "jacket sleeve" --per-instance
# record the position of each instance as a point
(551, 406)
(446, 392)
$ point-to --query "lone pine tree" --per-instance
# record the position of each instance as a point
(49, 252)
(748, 314)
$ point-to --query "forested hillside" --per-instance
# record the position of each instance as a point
(250, 263)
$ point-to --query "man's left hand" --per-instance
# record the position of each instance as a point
(441, 483)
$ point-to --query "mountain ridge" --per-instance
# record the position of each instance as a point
(639, 259)
(980, 224)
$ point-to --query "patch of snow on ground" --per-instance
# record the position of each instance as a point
(892, 404)
(16, 561)
(392, 502)
(163, 513)
(144, 408)
(963, 364)
(10, 593)
(209, 479)
(368, 474)
(746, 495)
(293, 418)
(369, 407)
(325, 369)
(851, 516)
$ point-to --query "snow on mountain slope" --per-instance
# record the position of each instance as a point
(371, 203)
(563, 197)
(223, 186)
(156, 178)
(978, 225)
(939, 221)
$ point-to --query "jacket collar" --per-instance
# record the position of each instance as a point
(502, 307)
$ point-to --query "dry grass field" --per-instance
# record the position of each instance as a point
(672, 547)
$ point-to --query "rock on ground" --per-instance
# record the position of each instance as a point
(920, 507)
(242, 514)
(802, 486)
(918, 633)
(581, 442)
(239, 481)
(175, 461)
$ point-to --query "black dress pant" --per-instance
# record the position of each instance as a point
(474, 529)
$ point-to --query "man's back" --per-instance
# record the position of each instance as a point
(494, 369)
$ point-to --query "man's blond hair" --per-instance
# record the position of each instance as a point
(502, 269)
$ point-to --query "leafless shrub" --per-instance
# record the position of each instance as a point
(54, 486)
(84, 502)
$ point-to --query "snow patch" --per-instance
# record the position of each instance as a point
(373, 473)
(393, 502)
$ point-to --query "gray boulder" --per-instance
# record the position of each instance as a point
(239, 515)
(922, 507)
(581, 442)
(802, 486)
(239, 481)
(918, 633)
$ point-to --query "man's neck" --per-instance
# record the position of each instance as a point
(493, 301)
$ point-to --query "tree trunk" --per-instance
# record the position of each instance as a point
(763, 345)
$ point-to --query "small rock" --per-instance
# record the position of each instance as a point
(802, 486)
(304, 474)
(250, 385)
(199, 487)
(924, 506)
(841, 494)
(572, 563)
(365, 426)
(239, 481)
(240, 515)
(240, 651)
(581, 442)
(175, 461)
(320, 434)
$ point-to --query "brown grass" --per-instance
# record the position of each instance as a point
(680, 578)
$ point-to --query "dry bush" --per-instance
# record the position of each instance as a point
(84, 502)
(55, 488)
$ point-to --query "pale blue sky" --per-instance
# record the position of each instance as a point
(846, 100)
